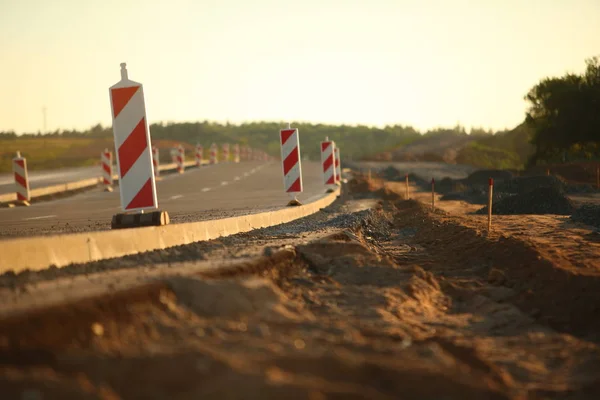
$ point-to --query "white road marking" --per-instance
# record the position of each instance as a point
(177, 196)
(205, 189)
(237, 178)
(224, 183)
(42, 217)
(246, 174)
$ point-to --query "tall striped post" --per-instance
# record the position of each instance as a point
(213, 154)
(292, 168)
(338, 166)
(199, 155)
(21, 179)
(328, 163)
(180, 159)
(155, 161)
(106, 160)
(236, 153)
(137, 185)
(226, 152)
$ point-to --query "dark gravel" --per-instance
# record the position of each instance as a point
(447, 185)
(588, 214)
(482, 176)
(521, 185)
(543, 200)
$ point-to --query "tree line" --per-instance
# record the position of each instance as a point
(564, 116)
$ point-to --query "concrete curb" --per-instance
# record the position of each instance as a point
(82, 184)
(35, 253)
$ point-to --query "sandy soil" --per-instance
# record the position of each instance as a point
(395, 302)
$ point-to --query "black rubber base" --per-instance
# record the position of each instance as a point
(154, 218)
(294, 203)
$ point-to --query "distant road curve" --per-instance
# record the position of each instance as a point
(39, 179)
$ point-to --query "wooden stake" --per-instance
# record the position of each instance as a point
(432, 194)
(407, 192)
(547, 172)
(369, 177)
(490, 195)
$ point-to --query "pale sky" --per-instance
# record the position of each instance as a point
(424, 63)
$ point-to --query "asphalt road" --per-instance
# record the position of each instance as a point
(39, 179)
(218, 191)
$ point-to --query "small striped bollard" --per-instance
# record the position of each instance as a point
(338, 166)
(107, 172)
(213, 154)
(180, 159)
(199, 155)
(21, 179)
(328, 163)
(155, 161)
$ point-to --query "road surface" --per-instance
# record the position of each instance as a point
(39, 179)
(218, 191)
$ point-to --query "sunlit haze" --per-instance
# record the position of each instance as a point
(423, 63)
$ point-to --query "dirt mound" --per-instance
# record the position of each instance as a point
(360, 184)
(581, 188)
(392, 174)
(395, 175)
(577, 172)
(542, 200)
(520, 185)
(588, 214)
(475, 196)
(482, 176)
(448, 185)
(232, 298)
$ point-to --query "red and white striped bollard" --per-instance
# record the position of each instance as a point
(199, 155)
(226, 152)
(180, 159)
(338, 166)
(213, 154)
(106, 160)
(292, 167)
(155, 161)
(236, 153)
(21, 179)
(328, 163)
(137, 185)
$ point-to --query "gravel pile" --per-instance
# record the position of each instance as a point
(588, 214)
(543, 200)
(521, 185)
(581, 188)
(448, 185)
(392, 174)
(482, 176)
(475, 196)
